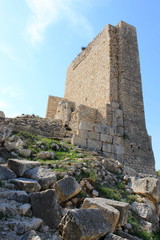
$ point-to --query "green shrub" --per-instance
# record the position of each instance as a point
(111, 193)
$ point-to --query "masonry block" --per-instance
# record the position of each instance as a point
(118, 141)
(94, 135)
(106, 138)
(119, 150)
(102, 129)
(95, 145)
(107, 147)
(86, 125)
(82, 133)
(79, 141)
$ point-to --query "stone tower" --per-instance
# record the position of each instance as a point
(103, 101)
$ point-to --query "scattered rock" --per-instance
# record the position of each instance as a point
(67, 188)
(6, 173)
(46, 155)
(146, 212)
(28, 185)
(110, 213)
(83, 224)
(31, 235)
(112, 165)
(19, 196)
(25, 152)
(45, 205)
(20, 166)
(45, 177)
(25, 208)
(26, 225)
(112, 236)
(148, 186)
(122, 207)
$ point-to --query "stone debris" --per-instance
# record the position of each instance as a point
(110, 214)
(20, 166)
(122, 207)
(46, 177)
(31, 235)
(28, 185)
(19, 196)
(83, 224)
(46, 155)
(25, 153)
(148, 186)
(25, 208)
(70, 204)
(45, 206)
(67, 188)
(6, 173)
(26, 225)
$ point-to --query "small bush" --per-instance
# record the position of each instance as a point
(110, 193)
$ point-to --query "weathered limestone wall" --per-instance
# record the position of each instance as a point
(88, 76)
(52, 106)
(138, 149)
(103, 102)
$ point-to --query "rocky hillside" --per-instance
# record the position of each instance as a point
(52, 190)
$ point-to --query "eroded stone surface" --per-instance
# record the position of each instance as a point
(83, 224)
(20, 166)
(110, 213)
(45, 205)
(67, 188)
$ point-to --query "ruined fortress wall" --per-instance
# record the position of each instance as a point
(138, 150)
(88, 77)
(103, 102)
(52, 106)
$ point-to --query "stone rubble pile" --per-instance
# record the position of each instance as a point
(39, 203)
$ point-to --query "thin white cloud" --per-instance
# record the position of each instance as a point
(10, 91)
(8, 51)
(47, 12)
(3, 104)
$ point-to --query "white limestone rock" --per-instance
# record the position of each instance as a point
(110, 214)
(67, 188)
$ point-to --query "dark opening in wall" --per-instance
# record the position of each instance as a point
(139, 147)
(131, 146)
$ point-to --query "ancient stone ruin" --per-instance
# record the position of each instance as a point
(103, 102)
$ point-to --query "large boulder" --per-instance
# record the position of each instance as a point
(148, 186)
(6, 173)
(146, 212)
(67, 188)
(110, 213)
(45, 205)
(28, 185)
(122, 207)
(46, 177)
(20, 166)
(83, 224)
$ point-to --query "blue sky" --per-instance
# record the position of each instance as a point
(40, 38)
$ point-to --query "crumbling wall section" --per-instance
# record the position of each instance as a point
(52, 106)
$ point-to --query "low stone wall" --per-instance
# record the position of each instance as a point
(100, 138)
